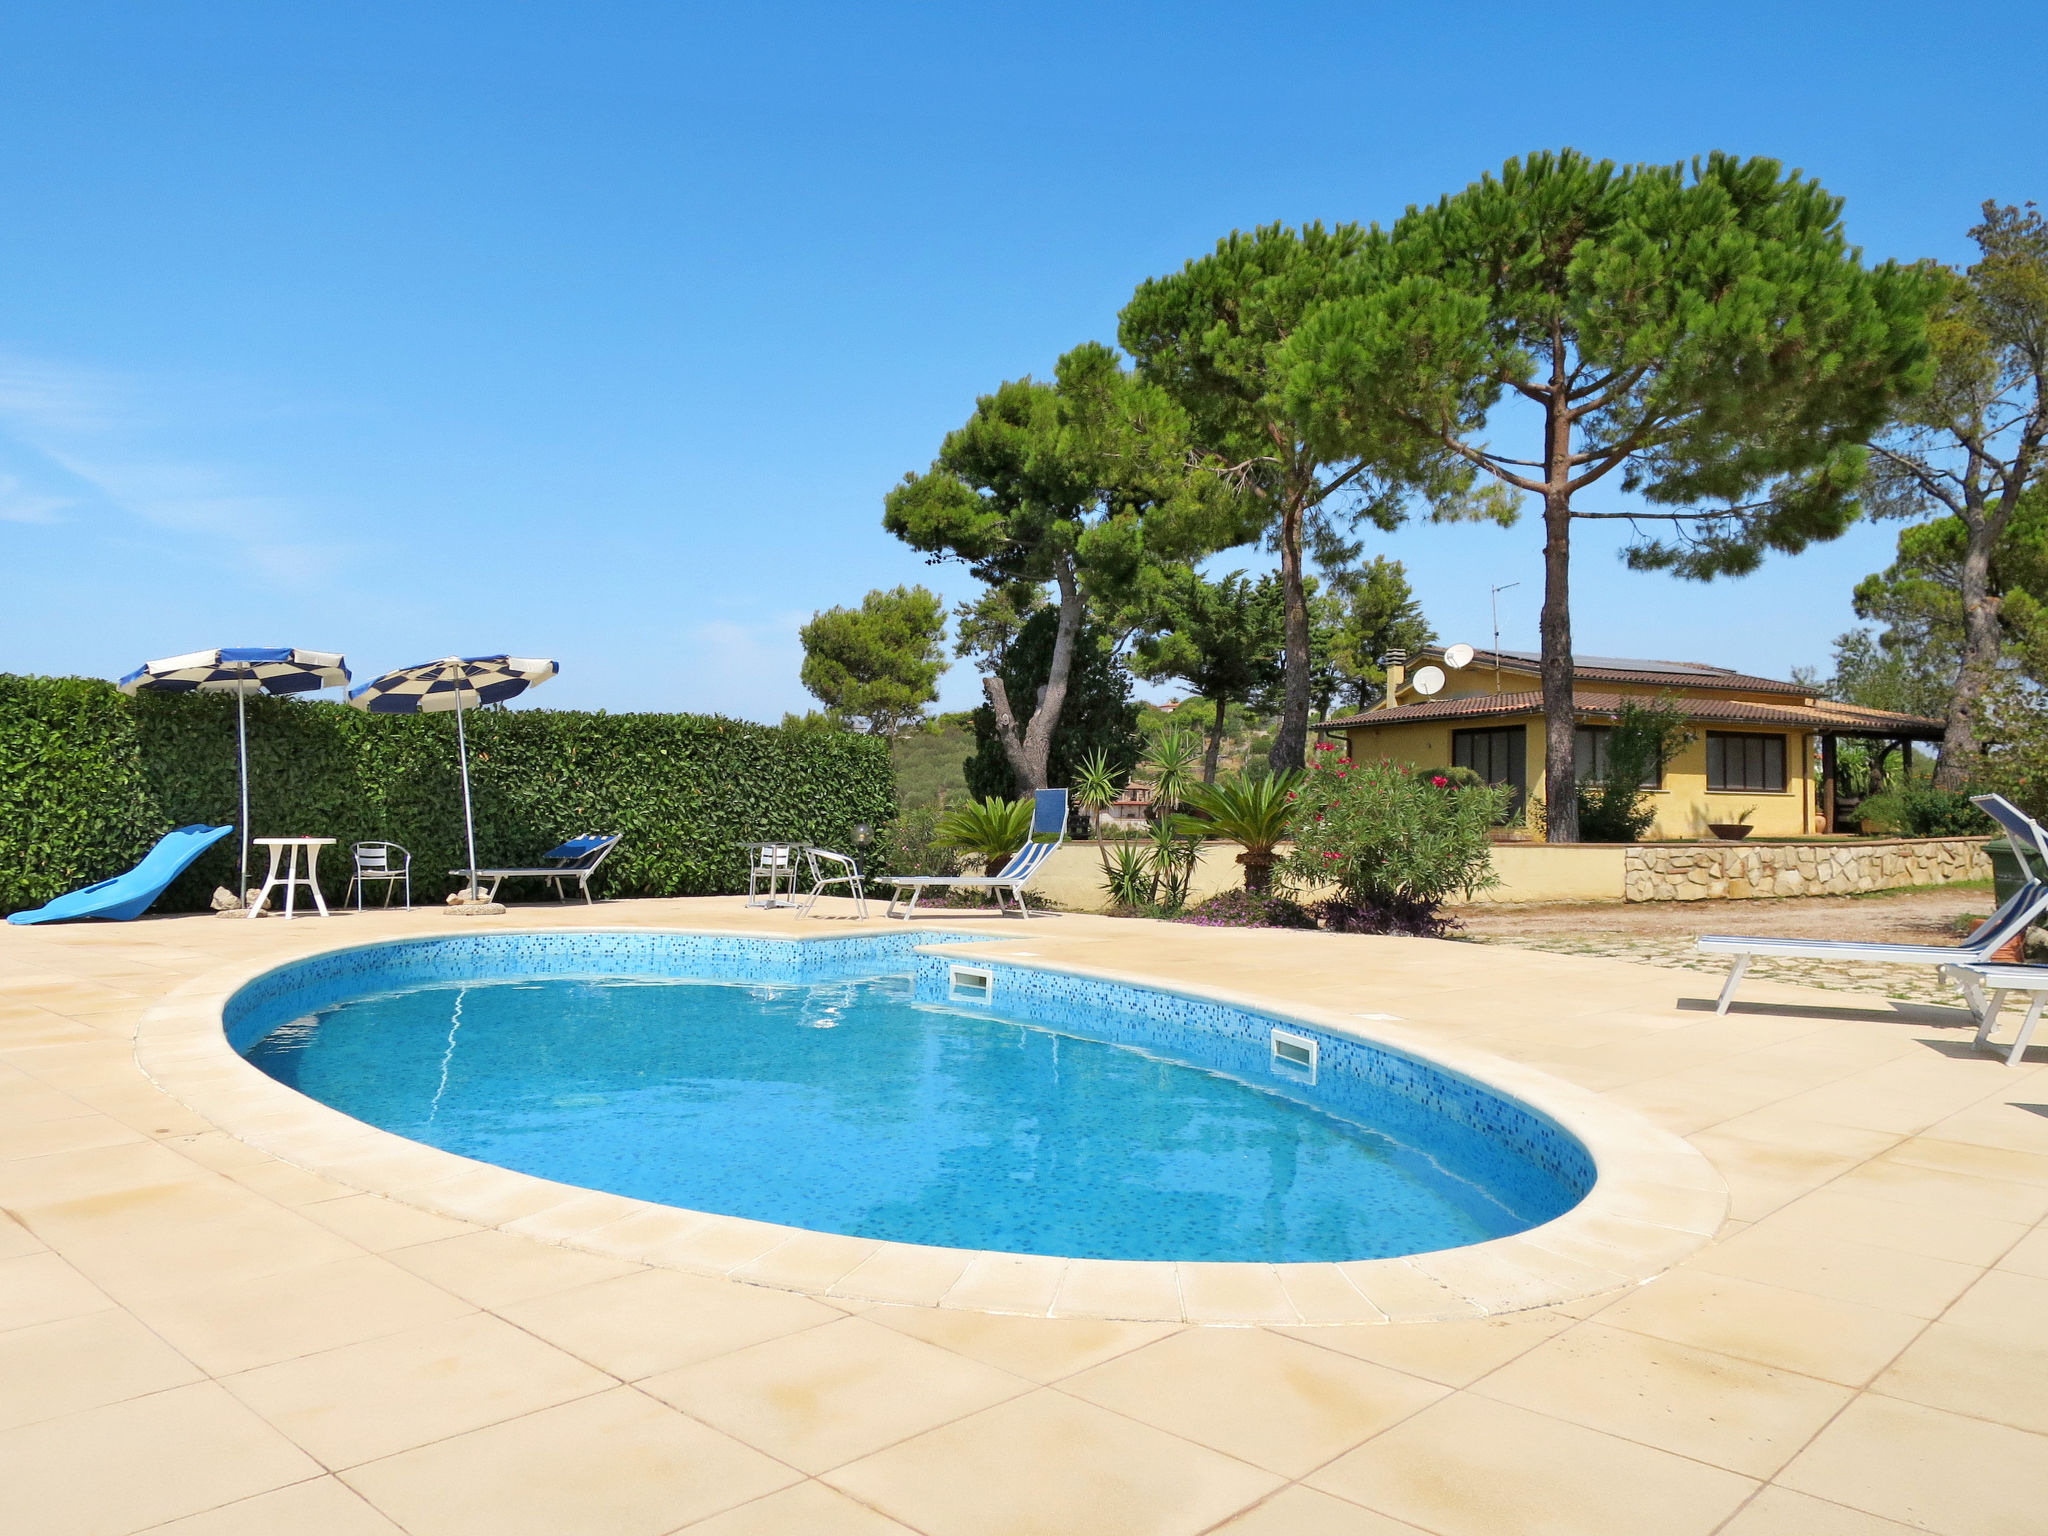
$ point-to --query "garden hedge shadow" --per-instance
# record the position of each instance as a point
(89, 779)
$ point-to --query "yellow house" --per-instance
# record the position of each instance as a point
(1753, 757)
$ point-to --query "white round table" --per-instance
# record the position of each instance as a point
(285, 851)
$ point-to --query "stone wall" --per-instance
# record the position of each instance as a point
(1711, 871)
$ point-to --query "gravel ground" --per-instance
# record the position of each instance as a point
(1662, 933)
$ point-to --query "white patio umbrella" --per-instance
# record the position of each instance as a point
(240, 670)
(457, 683)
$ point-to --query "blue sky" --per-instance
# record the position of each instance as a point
(598, 331)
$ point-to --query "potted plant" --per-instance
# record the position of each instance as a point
(1734, 831)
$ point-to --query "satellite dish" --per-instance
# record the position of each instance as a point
(1459, 655)
(1428, 680)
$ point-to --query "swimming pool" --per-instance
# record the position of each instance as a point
(876, 1087)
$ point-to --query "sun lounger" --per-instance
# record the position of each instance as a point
(1999, 980)
(1048, 831)
(129, 896)
(576, 860)
(2012, 919)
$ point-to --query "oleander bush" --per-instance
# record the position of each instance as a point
(89, 779)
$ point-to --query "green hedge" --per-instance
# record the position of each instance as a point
(90, 779)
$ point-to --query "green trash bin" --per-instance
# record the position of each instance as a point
(2006, 874)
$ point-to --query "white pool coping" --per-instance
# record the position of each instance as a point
(1655, 1200)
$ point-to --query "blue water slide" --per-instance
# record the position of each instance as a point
(128, 896)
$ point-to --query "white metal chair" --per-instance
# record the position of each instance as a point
(380, 861)
(829, 868)
(775, 863)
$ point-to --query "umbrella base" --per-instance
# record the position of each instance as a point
(477, 908)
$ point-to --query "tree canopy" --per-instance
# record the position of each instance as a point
(877, 665)
(1370, 611)
(1222, 638)
(1074, 485)
(1215, 336)
(1704, 336)
(1970, 451)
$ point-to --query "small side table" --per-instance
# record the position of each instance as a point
(285, 850)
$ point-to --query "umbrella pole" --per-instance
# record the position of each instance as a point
(468, 816)
(242, 753)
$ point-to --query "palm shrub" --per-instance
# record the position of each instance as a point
(1127, 875)
(1394, 845)
(1254, 812)
(993, 829)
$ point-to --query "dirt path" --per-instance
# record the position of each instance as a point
(1662, 933)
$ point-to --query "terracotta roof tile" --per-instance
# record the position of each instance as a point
(1826, 717)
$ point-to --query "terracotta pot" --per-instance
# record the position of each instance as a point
(1730, 831)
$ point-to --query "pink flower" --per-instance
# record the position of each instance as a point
(1329, 855)
(1324, 746)
(1439, 781)
(1342, 775)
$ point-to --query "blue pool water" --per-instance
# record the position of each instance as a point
(850, 1104)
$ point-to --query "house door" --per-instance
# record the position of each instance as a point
(1497, 756)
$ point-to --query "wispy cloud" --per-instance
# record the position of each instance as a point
(79, 445)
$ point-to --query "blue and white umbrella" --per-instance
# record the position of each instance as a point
(240, 670)
(457, 683)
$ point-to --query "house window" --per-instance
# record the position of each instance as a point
(1737, 762)
(1497, 756)
(1589, 756)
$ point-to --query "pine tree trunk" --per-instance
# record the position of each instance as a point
(1030, 750)
(1290, 743)
(1215, 743)
(1982, 642)
(1560, 778)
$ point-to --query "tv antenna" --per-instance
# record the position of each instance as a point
(1496, 630)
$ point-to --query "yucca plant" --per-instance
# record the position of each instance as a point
(993, 829)
(1095, 786)
(1253, 811)
(1127, 873)
(1176, 846)
(1172, 768)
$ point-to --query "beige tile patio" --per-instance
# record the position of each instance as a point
(2012, 1306)
(1779, 1511)
(41, 1287)
(1290, 1407)
(1934, 1231)
(379, 1223)
(1837, 1341)
(494, 1269)
(655, 1320)
(1470, 1467)
(617, 1464)
(1299, 1511)
(142, 1462)
(2029, 1256)
(990, 1475)
(16, 1240)
(1714, 1408)
(53, 1369)
(1454, 1353)
(1884, 1278)
(324, 1506)
(824, 1396)
(257, 1322)
(1923, 1467)
(1037, 1348)
(376, 1398)
(808, 1509)
(1967, 1370)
